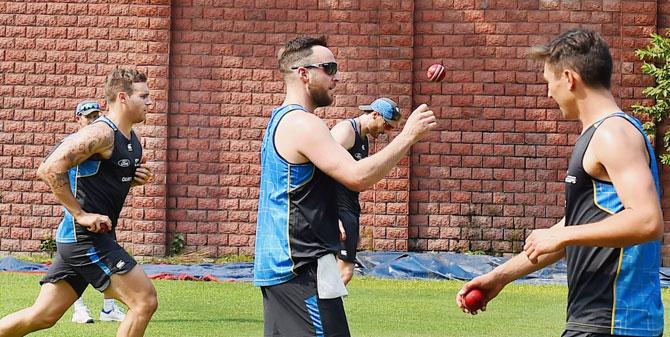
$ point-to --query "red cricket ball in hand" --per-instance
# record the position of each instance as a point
(436, 73)
(474, 300)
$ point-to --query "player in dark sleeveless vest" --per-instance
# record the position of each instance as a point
(610, 237)
(613, 301)
(90, 174)
(297, 198)
(380, 116)
(101, 186)
(297, 235)
(86, 112)
(346, 198)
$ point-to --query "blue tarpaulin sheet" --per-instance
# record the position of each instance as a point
(396, 265)
(12, 264)
(222, 272)
(446, 266)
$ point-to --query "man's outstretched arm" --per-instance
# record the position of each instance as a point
(518, 266)
(307, 135)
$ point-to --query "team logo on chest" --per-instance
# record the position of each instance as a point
(124, 162)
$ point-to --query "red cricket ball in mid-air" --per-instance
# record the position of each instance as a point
(474, 300)
(436, 73)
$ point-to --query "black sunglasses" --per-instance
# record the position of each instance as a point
(330, 68)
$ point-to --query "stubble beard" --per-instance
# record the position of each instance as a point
(320, 96)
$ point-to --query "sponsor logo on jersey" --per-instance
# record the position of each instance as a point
(571, 179)
(126, 179)
(124, 162)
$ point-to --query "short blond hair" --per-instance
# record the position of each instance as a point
(122, 80)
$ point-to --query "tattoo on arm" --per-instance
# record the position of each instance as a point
(91, 140)
(57, 180)
(88, 144)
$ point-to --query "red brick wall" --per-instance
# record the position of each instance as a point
(495, 171)
(225, 84)
(491, 173)
(51, 56)
(663, 19)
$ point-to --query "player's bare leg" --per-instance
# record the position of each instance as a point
(52, 302)
(138, 293)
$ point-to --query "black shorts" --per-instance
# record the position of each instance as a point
(572, 333)
(81, 264)
(350, 222)
(293, 309)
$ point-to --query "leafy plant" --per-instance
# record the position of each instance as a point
(474, 252)
(177, 244)
(48, 245)
(655, 57)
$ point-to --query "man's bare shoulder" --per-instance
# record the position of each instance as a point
(618, 141)
(619, 131)
(344, 134)
(96, 138)
(346, 123)
(301, 121)
(96, 131)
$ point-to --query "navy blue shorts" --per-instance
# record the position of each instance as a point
(572, 333)
(81, 264)
(294, 309)
(350, 222)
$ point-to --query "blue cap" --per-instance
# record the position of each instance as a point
(385, 107)
(86, 106)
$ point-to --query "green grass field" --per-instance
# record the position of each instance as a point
(375, 308)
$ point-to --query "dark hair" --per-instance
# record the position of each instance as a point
(581, 50)
(296, 50)
(122, 80)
